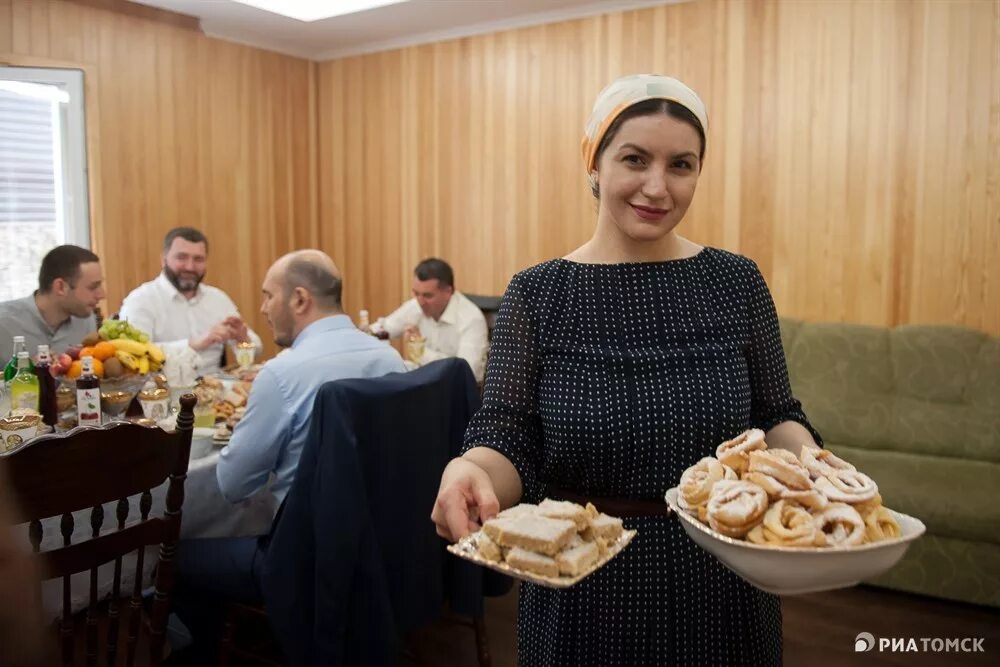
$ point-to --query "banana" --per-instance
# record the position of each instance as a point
(143, 365)
(133, 347)
(155, 353)
(128, 360)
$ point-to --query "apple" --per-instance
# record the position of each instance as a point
(74, 351)
(65, 361)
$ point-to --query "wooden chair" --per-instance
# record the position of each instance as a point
(60, 474)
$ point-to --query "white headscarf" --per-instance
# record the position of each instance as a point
(622, 93)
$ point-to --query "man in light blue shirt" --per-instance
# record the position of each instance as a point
(324, 345)
(301, 294)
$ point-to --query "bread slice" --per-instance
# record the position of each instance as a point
(576, 560)
(607, 527)
(488, 549)
(523, 509)
(535, 533)
(563, 509)
(530, 561)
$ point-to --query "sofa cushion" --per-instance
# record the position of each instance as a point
(953, 497)
(843, 376)
(950, 568)
(920, 389)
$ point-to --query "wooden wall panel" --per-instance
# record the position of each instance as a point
(191, 131)
(854, 151)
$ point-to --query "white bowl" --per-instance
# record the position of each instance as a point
(201, 442)
(797, 570)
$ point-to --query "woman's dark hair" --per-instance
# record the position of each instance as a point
(649, 108)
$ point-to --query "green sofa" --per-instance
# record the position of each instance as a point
(918, 409)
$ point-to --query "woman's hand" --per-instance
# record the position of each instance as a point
(792, 436)
(465, 499)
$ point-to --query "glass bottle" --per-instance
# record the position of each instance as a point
(88, 394)
(11, 369)
(24, 385)
(46, 387)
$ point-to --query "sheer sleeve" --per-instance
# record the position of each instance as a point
(771, 401)
(508, 420)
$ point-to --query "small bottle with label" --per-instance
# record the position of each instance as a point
(46, 387)
(88, 394)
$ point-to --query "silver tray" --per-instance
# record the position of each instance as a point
(466, 548)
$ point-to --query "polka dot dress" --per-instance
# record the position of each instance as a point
(610, 380)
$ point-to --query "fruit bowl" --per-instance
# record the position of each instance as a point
(116, 393)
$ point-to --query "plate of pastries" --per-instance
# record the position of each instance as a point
(555, 543)
(790, 524)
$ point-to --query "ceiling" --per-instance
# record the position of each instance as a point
(382, 28)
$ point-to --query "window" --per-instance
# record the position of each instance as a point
(43, 171)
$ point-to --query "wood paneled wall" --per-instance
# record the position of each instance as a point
(189, 131)
(853, 151)
(854, 148)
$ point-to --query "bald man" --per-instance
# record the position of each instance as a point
(301, 294)
(302, 305)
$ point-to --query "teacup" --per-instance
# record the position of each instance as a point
(155, 403)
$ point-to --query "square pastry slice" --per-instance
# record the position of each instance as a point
(535, 533)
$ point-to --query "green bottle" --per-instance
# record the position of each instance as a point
(24, 385)
(11, 370)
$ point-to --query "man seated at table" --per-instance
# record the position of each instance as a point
(179, 312)
(61, 312)
(301, 295)
(451, 325)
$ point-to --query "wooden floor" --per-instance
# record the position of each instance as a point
(819, 630)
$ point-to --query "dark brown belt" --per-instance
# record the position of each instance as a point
(619, 507)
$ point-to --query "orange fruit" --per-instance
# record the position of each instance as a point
(74, 370)
(98, 368)
(104, 351)
(87, 352)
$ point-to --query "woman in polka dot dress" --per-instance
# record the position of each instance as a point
(612, 370)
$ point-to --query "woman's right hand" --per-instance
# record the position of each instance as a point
(465, 499)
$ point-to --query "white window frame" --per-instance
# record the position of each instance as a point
(73, 198)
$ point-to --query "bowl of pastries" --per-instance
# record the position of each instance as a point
(790, 524)
(555, 543)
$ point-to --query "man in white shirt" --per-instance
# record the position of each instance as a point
(178, 311)
(452, 326)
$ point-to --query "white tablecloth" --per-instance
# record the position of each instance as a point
(205, 513)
